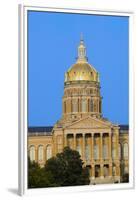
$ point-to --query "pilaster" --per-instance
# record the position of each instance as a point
(65, 140)
(36, 154)
(83, 146)
(74, 141)
(92, 147)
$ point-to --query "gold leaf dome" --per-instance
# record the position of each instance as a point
(81, 70)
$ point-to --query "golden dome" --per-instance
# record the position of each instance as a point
(81, 70)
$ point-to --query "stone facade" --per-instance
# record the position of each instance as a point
(103, 146)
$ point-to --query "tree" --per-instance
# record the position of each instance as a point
(38, 177)
(67, 169)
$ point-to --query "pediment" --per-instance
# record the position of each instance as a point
(90, 123)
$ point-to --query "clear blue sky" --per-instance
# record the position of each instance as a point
(52, 48)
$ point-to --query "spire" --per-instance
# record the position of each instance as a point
(81, 51)
(81, 37)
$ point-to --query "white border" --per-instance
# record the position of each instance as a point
(22, 159)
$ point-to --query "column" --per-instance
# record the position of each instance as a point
(101, 146)
(44, 154)
(74, 142)
(109, 146)
(110, 170)
(79, 104)
(117, 142)
(92, 147)
(83, 146)
(36, 154)
(65, 140)
(70, 105)
(78, 108)
(67, 106)
(117, 169)
(64, 107)
(56, 145)
(93, 171)
(88, 110)
(118, 172)
(98, 105)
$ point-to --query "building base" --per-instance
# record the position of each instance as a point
(104, 180)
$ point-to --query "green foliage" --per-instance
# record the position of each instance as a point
(66, 169)
(38, 177)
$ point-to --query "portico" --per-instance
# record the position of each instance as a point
(95, 151)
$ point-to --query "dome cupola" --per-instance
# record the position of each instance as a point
(81, 89)
(81, 70)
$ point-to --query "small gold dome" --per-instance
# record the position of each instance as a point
(81, 70)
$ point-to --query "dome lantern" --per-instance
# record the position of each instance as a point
(82, 51)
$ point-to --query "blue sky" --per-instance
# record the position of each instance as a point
(52, 48)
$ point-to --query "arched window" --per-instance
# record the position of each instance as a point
(32, 153)
(119, 151)
(125, 150)
(40, 153)
(84, 105)
(48, 152)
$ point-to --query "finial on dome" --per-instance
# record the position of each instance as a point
(81, 37)
(81, 50)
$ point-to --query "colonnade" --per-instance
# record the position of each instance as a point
(81, 104)
(99, 166)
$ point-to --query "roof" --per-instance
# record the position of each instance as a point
(82, 71)
(124, 127)
(40, 130)
(47, 130)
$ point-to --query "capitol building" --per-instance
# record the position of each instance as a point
(102, 145)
